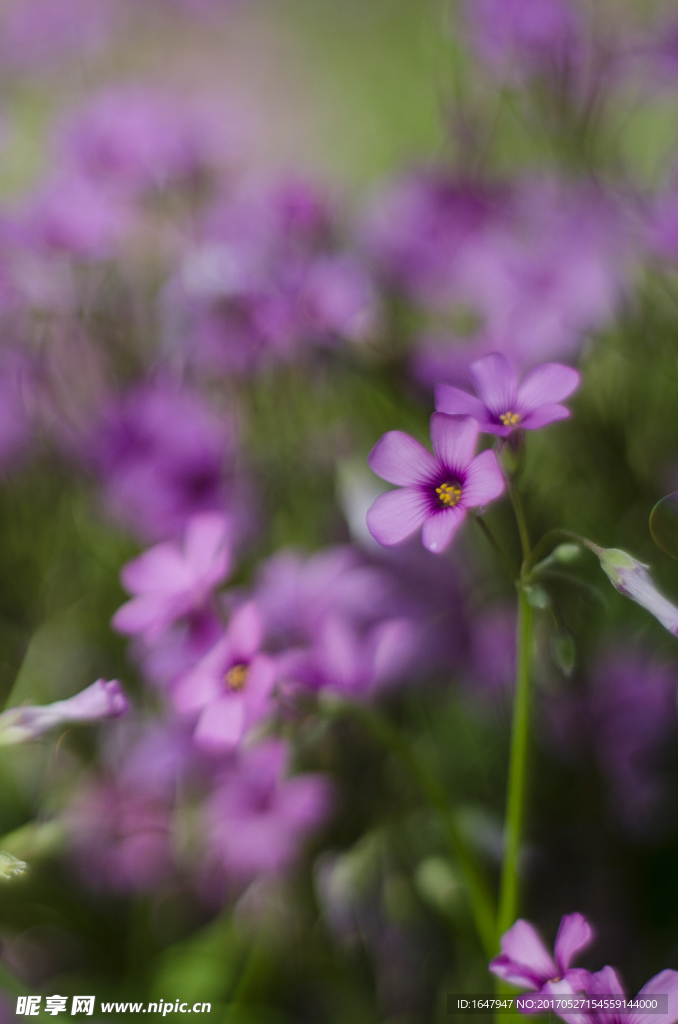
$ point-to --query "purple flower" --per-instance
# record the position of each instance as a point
(99, 701)
(631, 578)
(170, 582)
(436, 489)
(165, 455)
(134, 139)
(350, 664)
(606, 982)
(73, 215)
(525, 961)
(632, 713)
(502, 405)
(295, 594)
(230, 688)
(533, 35)
(120, 836)
(257, 819)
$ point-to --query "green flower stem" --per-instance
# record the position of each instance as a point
(520, 519)
(506, 560)
(515, 801)
(482, 904)
(546, 544)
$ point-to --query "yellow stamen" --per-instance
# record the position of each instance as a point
(236, 677)
(510, 419)
(449, 494)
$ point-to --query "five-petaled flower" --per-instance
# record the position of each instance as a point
(231, 686)
(436, 490)
(525, 961)
(502, 404)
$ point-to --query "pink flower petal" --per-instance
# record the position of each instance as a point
(454, 441)
(400, 459)
(495, 382)
(483, 482)
(664, 983)
(397, 514)
(245, 631)
(440, 527)
(222, 724)
(260, 682)
(574, 934)
(544, 415)
(159, 570)
(547, 384)
(207, 545)
(456, 402)
(525, 959)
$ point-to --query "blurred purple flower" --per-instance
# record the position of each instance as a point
(436, 490)
(265, 279)
(120, 836)
(164, 456)
(72, 215)
(133, 138)
(295, 594)
(257, 819)
(351, 664)
(171, 582)
(99, 701)
(230, 688)
(163, 661)
(502, 405)
(36, 35)
(632, 710)
(525, 35)
(536, 264)
(525, 961)
(493, 649)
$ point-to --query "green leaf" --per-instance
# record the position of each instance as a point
(664, 524)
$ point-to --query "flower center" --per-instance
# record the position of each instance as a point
(236, 677)
(510, 419)
(449, 494)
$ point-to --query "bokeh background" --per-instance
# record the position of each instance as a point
(238, 242)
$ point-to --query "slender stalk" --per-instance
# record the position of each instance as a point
(549, 541)
(520, 519)
(506, 560)
(480, 898)
(515, 801)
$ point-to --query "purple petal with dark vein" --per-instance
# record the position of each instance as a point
(456, 402)
(454, 441)
(546, 385)
(544, 415)
(483, 482)
(440, 528)
(397, 514)
(399, 459)
(495, 382)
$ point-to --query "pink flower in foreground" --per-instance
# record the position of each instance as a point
(100, 700)
(170, 582)
(606, 983)
(231, 686)
(525, 961)
(436, 490)
(502, 404)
